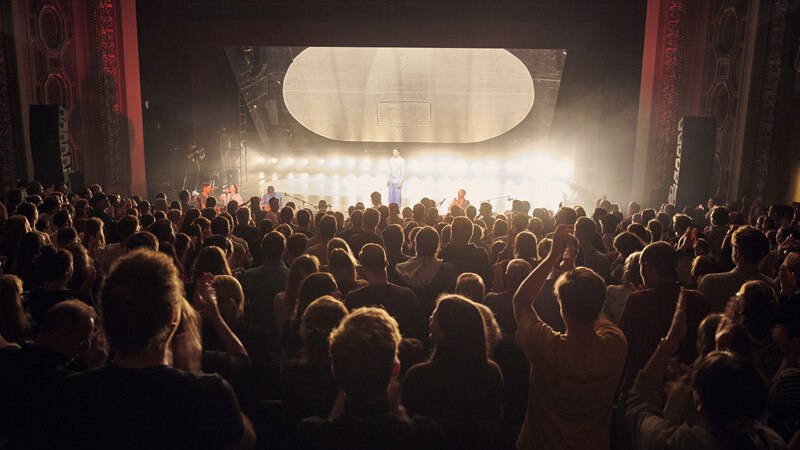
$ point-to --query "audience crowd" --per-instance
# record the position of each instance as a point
(191, 324)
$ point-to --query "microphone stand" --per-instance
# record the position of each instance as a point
(507, 197)
(298, 199)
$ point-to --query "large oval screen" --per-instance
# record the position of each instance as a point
(436, 95)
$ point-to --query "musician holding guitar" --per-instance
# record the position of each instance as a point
(192, 174)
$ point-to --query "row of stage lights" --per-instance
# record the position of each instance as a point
(526, 166)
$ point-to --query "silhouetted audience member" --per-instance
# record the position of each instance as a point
(466, 257)
(460, 387)
(750, 246)
(501, 303)
(400, 302)
(30, 382)
(426, 274)
(262, 284)
(308, 387)
(731, 397)
(364, 363)
(574, 375)
(648, 312)
(139, 400)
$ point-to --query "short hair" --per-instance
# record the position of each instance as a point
(461, 230)
(371, 218)
(273, 245)
(393, 237)
(758, 307)
(627, 243)
(66, 236)
(66, 316)
(648, 215)
(682, 222)
(585, 228)
(142, 240)
(581, 293)
(243, 215)
(426, 242)
(719, 216)
(139, 301)
(662, 257)
(286, 214)
(303, 217)
(471, 286)
(327, 227)
(296, 244)
(639, 230)
(162, 229)
(54, 264)
(372, 256)
(729, 388)
(516, 272)
(60, 218)
(221, 226)
(565, 216)
(357, 218)
(363, 352)
(656, 229)
(751, 244)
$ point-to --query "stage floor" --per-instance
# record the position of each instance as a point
(342, 191)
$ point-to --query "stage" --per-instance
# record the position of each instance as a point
(540, 178)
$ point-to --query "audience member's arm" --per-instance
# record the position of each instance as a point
(206, 304)
(530, 288)
(644, 415)
(248, 440)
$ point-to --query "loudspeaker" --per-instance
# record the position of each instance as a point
(694, 161)
(50, 151)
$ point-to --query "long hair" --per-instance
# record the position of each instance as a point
(301, 268)
(733, 395)
(14, 326)
(313, 287)
(463, 346)
(211, 260)
(15, 227)
(320, 318)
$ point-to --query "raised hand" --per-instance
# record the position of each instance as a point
(205, 296)
(561, 240)
(677, 329)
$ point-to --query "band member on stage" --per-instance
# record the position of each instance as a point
(459, 201)
(231, 193)
(271, 194)
(192, 176)
(206, 192)
(394, 177)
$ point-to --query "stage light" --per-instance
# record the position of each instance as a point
(290, 176)
(351, 162)
(478, 167)
(491, 168)
(320, 161)
(289, 161)
(303, 162)
(274, 160)
(365, 164)
(335, 162)
(260, 160)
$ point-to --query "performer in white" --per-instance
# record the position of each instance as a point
(394, 177)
